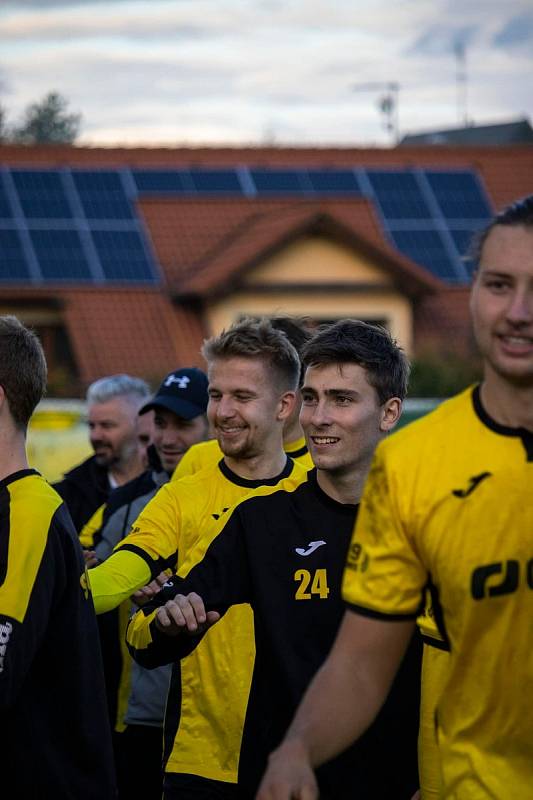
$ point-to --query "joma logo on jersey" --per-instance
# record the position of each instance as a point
(6, 630)
(311, 547)
(483, 585)
(474, 482)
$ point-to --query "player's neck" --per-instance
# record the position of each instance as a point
(343, 487)
(12, 452)
(507, 404)
(262, 467)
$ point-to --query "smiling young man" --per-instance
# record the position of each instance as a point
(253, 373)
(284, 555)
(447, 503)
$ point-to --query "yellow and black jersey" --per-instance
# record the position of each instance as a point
(56, 740)
(173, 519)
(207, 701)
(448, 504)
(284, 554)
(204, 454)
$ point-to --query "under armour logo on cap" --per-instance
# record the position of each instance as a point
(184, 392)
(182, 381)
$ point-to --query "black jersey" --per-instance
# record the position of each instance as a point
(56, 741)
(285, 554)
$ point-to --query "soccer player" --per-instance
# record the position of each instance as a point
(253, 373)
(56, 740)
(284, 554)
(203, 454)
(448, 502)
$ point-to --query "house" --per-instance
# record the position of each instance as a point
(125, 259)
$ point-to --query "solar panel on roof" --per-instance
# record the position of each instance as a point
(5, 208)
(280, 180)
(398, 194)
(459, 195)
(155, 180)
(102, 194)
(426, 247)
(41, 194)
(60, 255)
(216, 180)
(464, 242)
(13, 264)
(333, 181)
(122, 256)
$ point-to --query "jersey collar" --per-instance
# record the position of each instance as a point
(504, 430)
(253, 484)
(15, 476)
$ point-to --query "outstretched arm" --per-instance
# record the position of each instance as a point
(340, 704)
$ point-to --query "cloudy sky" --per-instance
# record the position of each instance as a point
(256, 71)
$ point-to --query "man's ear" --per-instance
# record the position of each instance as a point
(286, 405)
(390, 414)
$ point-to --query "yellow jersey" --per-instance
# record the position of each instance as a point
(448, 505)
(205, 453)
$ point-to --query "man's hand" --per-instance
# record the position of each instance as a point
(145, 593)
(289, 775)
(185, 614)
(90, 558)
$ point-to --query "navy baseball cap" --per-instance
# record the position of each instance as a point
(184, 392)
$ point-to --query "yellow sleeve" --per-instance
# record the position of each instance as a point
(92, 527)
(117, 578)
(383, 575)
(156, 531)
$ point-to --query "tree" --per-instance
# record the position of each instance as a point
(48, 122)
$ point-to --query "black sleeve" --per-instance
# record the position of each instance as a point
(221, 578)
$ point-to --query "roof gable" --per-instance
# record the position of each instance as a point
(262, 235)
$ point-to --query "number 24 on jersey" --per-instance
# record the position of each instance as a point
(311, 583)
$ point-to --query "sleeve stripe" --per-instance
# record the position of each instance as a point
(138, 551)
(436, 643)
(370, 612)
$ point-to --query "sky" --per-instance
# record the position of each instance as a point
(301, 72)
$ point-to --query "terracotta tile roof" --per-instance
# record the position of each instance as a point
(200, 243)
(136, 331)
(271, 228)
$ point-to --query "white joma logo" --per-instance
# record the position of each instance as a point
(311, 547)
(181, 380)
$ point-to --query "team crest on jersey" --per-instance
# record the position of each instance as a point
(6, 629)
